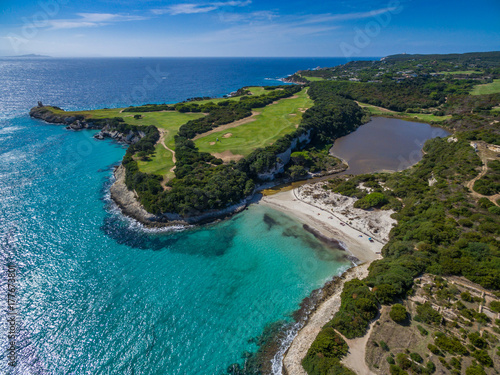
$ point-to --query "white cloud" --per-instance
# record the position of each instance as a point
(320, 18)
(92, 20)
(192, 8)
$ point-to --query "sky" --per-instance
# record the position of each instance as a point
(247, 28)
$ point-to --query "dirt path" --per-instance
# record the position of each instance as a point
(356, 356)
(485, 155)
(163, 132)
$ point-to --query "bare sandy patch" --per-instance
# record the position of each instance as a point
(227, 156)
(212, 143)
(227, 135)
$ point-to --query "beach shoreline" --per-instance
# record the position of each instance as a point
(314, 208)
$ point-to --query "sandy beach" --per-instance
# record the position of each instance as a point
(334, 217)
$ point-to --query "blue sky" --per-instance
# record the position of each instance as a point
(346, 28)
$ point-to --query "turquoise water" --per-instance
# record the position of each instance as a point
(98, 295)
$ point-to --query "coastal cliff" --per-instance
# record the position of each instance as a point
(56, 115)
(129, 204)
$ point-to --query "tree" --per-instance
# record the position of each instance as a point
(398, 313)
(371, 200)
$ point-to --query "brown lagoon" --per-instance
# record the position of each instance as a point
(384, 144)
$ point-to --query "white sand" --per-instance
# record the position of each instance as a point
(334, 216)
(318, 211)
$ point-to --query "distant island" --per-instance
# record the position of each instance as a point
(30, 55)
(426, 298)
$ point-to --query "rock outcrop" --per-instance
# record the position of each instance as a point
(56, 115)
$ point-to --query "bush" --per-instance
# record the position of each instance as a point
(483, 357)
(391, 360)
(434, 349)
(428, 315)
(384, 346)
(494, 210)
(403, 361)
(495, 306)
(422, 330)
(396, 370)
(466, 296)
(431, 367)
(416, 357)
(450, 344)
(476, 340)
(371, 200)
(398, 313)
(455, 362)
(325, 353)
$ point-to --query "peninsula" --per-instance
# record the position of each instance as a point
(426, 300)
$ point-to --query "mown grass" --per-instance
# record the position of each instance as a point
(255, 90)
(312, 79)
(272, 123)
(378, 111)
(467, 72)
(161, 162)
(488, 88)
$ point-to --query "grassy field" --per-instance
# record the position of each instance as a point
(161, 162)
(255, 90)
(272, 123)
(379, 111)
(467, 72)
(488, 88)
(312, 79)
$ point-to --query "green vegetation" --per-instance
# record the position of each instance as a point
(324, 355)
(272, 123)
(489, 184)
(203, 182)
(371, 200)
(428, 315)
(313, 79)
(358, 307)
(462, 72)
(398, 313)
(424, 117)
(449, 344)
(487, 88)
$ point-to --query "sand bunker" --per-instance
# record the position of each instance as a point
(227, 156)
(227, 135)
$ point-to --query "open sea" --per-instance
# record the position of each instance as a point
(84, 290)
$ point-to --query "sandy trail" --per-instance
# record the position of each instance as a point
(485, 154)
(356, 356)
(163, 133)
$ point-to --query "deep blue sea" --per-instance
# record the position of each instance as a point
(93, 293)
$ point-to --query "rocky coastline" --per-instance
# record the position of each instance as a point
(130, 206)
(46, 113)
